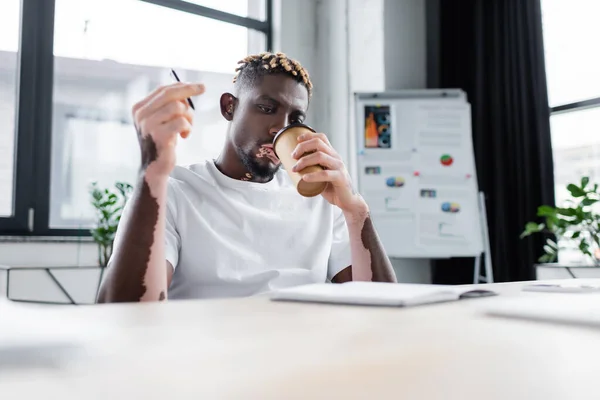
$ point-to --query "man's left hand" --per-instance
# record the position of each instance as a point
(339, 190)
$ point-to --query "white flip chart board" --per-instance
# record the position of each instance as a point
(416, 170)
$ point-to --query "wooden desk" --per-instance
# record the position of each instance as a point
(256, 349)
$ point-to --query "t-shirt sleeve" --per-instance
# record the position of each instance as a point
(172, 239)
(340, 256)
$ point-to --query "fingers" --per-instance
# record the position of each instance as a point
(315, 149)
(146, 99)
(318, 158)
(161, 117)
(167, 113)
(167, 132)
(172, 93)
(312, 135)
(314, 144)
(164, 109)
(336, 177)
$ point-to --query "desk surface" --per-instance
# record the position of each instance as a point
(256, 349)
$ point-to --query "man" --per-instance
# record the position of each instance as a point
(236, 226)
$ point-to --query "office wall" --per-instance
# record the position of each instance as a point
(405, 44)
(37, 284)
(405, 68)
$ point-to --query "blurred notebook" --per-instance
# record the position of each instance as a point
(377, 293)
(557, 308)
(568, 287)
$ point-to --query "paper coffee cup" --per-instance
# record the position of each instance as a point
(284, 144)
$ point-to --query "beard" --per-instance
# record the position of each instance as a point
(260, 169)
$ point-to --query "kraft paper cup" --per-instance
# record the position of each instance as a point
(284, 144)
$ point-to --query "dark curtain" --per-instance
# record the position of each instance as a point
(493, 50)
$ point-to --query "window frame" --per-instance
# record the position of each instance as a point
(34, 107)
(575, 106)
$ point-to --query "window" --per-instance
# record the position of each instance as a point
(572, 65)
(243, 8)
(572, 62)
(101, 68)
(100, 63)
(9, 48)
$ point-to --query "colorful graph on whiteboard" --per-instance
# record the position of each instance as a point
(450, 207)
(446, 160)
(378, 127)
(395, 181)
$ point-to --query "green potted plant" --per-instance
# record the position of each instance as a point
(575, 223)
(109, 206)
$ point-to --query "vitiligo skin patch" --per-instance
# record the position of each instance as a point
(266, 150)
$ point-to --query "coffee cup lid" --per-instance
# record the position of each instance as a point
(285, 128)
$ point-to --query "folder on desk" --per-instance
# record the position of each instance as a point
(377, 293)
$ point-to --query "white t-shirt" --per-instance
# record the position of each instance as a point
(232, 238)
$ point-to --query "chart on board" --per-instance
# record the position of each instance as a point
(416, 170)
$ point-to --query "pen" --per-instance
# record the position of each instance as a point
(179, 80)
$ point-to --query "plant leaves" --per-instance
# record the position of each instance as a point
(547, 258)
(568, 212)
(552, 244)
(580, 216)
(108, 204)
(584, 246)
(584, 181)
(549, 250)
(561, 224)
(575, 190)
(588, 202)
(105, 214)
(532, 227)
(588, 216)
(575, 220)
(546, 211)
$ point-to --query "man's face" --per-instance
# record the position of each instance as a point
(262, 110)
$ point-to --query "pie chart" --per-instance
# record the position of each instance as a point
(395, 181)
(446, 160)
(450, 207)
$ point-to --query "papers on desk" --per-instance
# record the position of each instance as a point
(562, 288)
(559, 308)
(377, 293)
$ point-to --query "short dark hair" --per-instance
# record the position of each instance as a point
(256, 66)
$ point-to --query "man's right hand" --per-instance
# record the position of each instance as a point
(159, 118)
